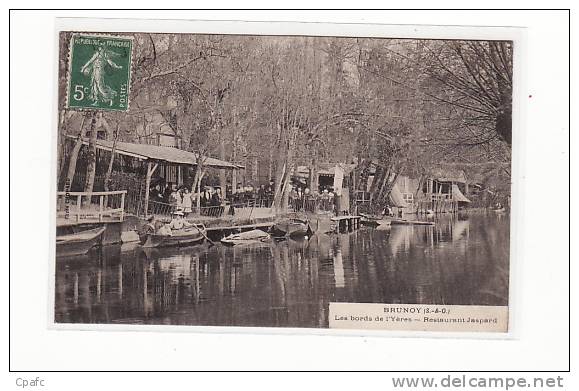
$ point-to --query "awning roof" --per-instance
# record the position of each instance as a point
(396, 198)
(448, 175)
(160, 154)
(457, 195)
(328, 169)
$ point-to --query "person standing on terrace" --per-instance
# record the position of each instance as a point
(187, 201)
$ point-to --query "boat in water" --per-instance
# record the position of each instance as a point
(375, 221)
(411, 222)
(78, 243)
(292, 228)
(189, 236)
(249, 237)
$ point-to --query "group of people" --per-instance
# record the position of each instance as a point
(162, 192)
(184, 200)
(308, 200)
(212, 199)
(300, 198)
(263, 196)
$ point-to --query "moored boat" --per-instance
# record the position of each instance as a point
(369, 220)
(384, 222)
(374, 220)
(78, 243)
(411, 222)
(249, 237)
(292, 228)
(184, 237)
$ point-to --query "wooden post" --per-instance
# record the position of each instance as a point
(120, 282)
(123, 205)
(150, 170)
(199, 175)
(78, 206)
(233, 181)
(147, 185)
(355, 186)
(101, 201)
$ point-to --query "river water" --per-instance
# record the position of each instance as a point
(461, 260)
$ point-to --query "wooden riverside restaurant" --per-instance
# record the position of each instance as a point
(135, 168)
(137, 174)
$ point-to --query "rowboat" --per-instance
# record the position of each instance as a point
(129, 236)
(370, 220)
(384, 222)
(375, 221)
(187, 236)
(292, 228)
(410, 222)
(78, 243)
(249, 237)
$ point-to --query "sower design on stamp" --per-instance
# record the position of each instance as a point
(99, 72)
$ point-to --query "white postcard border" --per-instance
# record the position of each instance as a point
(517, 34)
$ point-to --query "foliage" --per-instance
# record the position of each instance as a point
(282, 101)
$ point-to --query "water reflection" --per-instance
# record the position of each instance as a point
(289, 283)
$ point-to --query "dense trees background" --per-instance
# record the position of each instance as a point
(272, 103)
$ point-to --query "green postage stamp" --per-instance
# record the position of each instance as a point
(99, 72)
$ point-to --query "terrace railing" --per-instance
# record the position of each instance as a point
(240, 209)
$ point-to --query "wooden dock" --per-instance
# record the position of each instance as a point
(346, 223)
(78, 211)
(76, 208)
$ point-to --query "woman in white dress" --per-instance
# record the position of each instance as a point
(187, 201)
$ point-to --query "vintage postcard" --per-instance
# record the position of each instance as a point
(283, 181)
